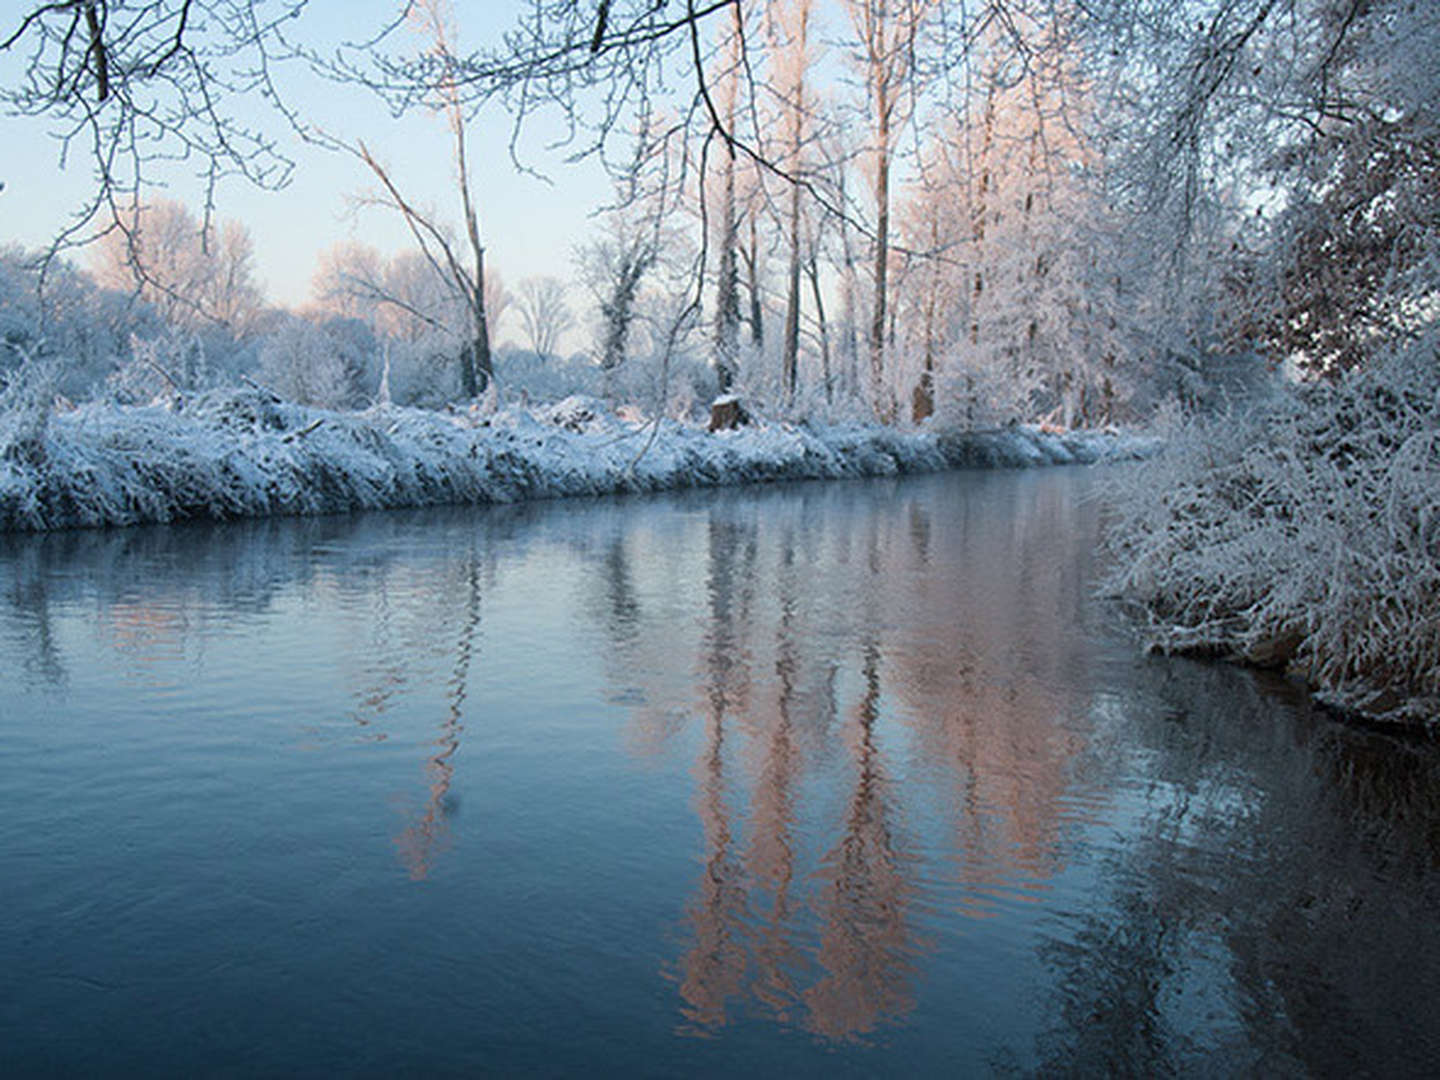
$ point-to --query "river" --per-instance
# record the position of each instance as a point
(849, 777)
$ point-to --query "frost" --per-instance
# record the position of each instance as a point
(245, 453)
(1305, 537)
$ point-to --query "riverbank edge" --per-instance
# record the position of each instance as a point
(243, 454)
(1412, 717)
(1299, 537)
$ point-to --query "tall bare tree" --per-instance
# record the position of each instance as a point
(460, 263)
(887, 33)
(792, 31)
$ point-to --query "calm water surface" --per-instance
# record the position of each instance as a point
(851, 777)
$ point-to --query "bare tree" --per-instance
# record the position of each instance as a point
(792, 27)
(544, 313)
(402, 297)
(460, 263)
(887, 33)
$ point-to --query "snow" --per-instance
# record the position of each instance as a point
(242, 453)
(1304, 537)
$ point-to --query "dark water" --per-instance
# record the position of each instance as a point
(853, 778)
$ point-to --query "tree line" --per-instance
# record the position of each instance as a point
(983, 211)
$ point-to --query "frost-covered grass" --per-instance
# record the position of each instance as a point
(1306, 537)
(242, 453)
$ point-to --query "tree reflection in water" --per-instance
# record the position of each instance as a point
(1296, 883)
(799, 616)
(865, 940)
(771, 853)
(424, 838)
(714, 968)
(884, 719)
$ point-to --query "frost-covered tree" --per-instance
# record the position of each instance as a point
(1278, 158)
(1359, 243)
(613, 268)
(1004, 307)
(638, 230)
(887, 35)
(793, 32)
(194, 273)
(728, 80)
(84, 331)
(544, 313)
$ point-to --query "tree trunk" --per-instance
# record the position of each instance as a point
(757, 314)
(727, 296)
(814, 275)
(790, 360)
(883, 408)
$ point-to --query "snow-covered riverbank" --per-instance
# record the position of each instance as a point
(1304, 536)
(240, 453)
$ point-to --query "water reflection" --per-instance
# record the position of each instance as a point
(1302, 886)
(957, 704)
(907, 765)
(864, 892)
(423, 839)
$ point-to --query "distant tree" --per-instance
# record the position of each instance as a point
(402, 297)
(194, 273)
(348, 281)
(84, 330)
(544, 313)
(614, 267)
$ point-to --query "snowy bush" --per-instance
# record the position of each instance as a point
(26, 396)
(973, 396)
(549, 378)
(245, 453)
(310, 364)
(1305, 537)
(83, 328)
(163, 366)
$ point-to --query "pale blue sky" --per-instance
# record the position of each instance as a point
(530, 227)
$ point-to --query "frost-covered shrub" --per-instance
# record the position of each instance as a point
(422, 373)
(85, 329)
(1306, 536)
(312, 365)
(161, 367)
(27, 394)
(973, 396)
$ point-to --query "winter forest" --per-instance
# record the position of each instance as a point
(859, 236)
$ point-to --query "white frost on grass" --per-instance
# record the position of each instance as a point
(1305, 537)
(241, 453)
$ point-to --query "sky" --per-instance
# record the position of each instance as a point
(530, 225)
